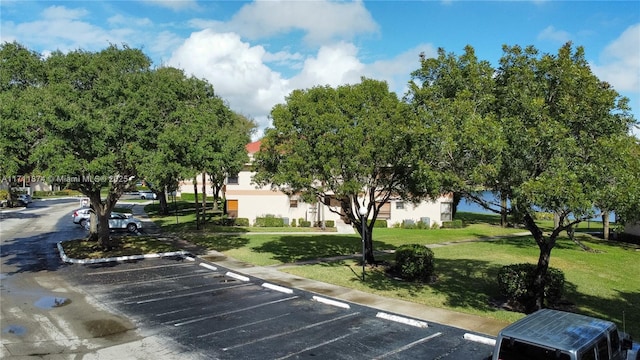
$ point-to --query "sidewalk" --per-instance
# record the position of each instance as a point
(271, 274)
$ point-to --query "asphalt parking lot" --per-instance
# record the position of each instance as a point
(220, 314)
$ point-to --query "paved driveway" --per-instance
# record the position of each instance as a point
(212, 312)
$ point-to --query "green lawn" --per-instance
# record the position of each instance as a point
(603, 283)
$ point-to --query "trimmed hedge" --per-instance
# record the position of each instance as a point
(414, 262)
(380, 224)
(327, 224)
(304, 223)
(516, 283)
(65, 192)
(241, 222)
(269, 221)
(455, 224)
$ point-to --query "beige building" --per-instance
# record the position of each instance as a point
(247, 200)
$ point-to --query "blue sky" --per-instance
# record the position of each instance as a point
(255, 53)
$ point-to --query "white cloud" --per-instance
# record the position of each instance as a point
(65, 30)
(397, 71)
(321, 21)
(551, 33)
(175, 5)
(334, 65)
(235, 68)
(63, 13)
(239, 72)
(620, 61)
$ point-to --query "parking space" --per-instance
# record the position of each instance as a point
(225, 315)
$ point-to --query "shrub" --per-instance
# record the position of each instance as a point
(330, 223)
(191, 197)
(380, 224)
(516, 283)
(242, 222)
(293, 222)
(435, 226)
(4, 195)
(414, 262)
(305, 223)
(269, 221)
(455, 224)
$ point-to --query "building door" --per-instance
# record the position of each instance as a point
(232, 208)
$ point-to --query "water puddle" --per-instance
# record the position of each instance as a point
(102, 328)
(14, 330)
(50, 302)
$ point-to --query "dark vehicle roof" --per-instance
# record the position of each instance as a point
(558, 329)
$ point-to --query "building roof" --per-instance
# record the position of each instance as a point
(253, 147)
(557, 329)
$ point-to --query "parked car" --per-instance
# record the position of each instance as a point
(147, 194)
(81, 216)
(552, 334)
(25, 198)
(120, 221)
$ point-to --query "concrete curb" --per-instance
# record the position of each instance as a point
(67, 259)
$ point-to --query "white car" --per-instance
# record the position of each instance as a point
(120, 221)
(147, 195)
(81, 216)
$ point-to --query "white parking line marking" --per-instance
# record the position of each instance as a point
(408, 346)
(403, 320)
(243, 325)
(480, 339)
(290, 331)
(237, 276)
(210, 267)
(136, 269)
(185, 294)
(331, 302)
(314, 347)
(202, 318)
(278, 288)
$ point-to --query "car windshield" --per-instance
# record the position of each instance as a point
(516, 350)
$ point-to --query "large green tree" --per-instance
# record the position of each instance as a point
(354, 144)
(22, 76)
(92, 124)
(553, 127)
(165, 93)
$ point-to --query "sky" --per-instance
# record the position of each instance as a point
(256, 53)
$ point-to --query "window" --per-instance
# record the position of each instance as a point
(400, 205)
(603, 349)
(293, 203)
(511, 349)
(232, 180)
(589, 354)
(446, 211)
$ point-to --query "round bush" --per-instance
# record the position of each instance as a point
(516, 283)
(414, 262)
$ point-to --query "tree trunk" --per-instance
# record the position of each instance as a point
(196, 203)
(164, 208)
(368, 242)
(539, 279)
(204, 198)
(605, 225)
(545, 246)
(504, 221)
(104, 234)
(456, 201)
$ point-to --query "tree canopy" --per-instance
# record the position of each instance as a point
(99, 121)
(541, 130)
(353, 144)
